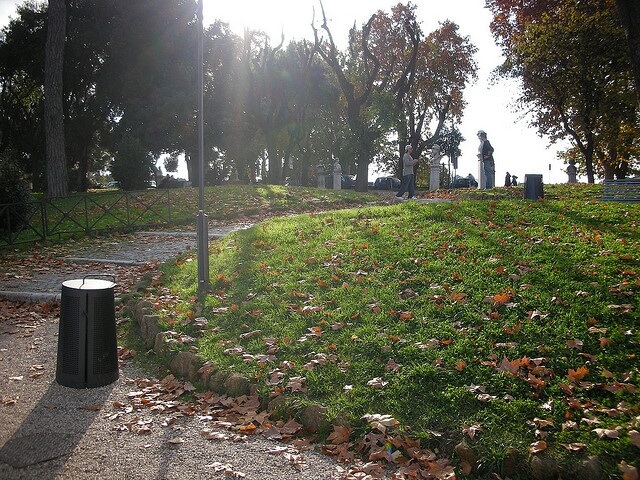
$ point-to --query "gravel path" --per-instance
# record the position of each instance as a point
(49, 431)
(39, 277)
(53, 432)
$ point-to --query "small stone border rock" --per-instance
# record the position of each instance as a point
(188, 365)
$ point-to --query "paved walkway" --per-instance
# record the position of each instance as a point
(40, 281)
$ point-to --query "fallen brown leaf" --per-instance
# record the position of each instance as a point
(538, 447)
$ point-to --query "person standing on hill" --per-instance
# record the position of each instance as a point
(408, 183)
(485, 155)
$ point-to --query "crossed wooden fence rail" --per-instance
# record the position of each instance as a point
(83, 214)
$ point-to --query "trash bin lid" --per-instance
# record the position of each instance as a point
(88, 284)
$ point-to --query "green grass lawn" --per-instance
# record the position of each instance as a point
(490, 320)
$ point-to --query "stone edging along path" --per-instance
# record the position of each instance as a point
(188, 365)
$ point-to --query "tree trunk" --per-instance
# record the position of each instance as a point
(402, 131)
(607, 167)
(364, 145)
(82, 183)
(274, 175)
(362, 177)
(588, 162)
(629, 12)
(57, 178)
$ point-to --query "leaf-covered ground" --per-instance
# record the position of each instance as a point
(503, 327)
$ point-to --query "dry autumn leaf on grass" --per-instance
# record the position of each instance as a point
(629, 472)
(392, 366)
(575, 343)
(538, 447)
(472, 430)
(339, 435)
(543, 423)
(377, 383)
(574, 447)
(381, 422)
(577, 374)
(606, 433)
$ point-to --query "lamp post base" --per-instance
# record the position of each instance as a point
(203, 252)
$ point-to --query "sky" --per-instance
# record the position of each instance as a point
(518, 148)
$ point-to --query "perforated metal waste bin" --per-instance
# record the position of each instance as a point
(87, 343)
(533, 186)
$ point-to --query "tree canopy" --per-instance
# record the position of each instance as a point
(576, 75)
(273, 111)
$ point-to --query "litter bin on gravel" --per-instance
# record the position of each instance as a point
(533, 186)
(87, 343)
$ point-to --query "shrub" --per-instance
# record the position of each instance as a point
(15, 196)
(132, 165)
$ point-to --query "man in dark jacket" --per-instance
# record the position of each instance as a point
(407, 173)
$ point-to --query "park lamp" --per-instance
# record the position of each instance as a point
(202, 221)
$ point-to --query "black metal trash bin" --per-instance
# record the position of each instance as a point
(533, 186)
(87, 342)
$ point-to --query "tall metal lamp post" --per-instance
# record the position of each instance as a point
(203, 221)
